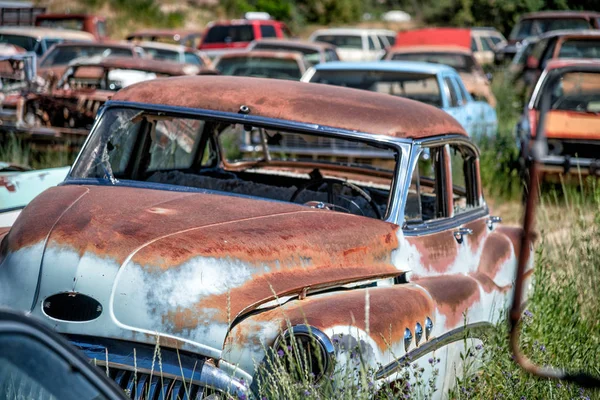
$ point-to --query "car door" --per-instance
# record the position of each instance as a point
(35, 362)
(462, 260)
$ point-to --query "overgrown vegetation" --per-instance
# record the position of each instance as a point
(17, 151)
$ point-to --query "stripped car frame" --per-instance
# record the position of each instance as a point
(121, 262)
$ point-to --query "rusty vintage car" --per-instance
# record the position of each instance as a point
(163, 234)
(66, 111)
(572, 123)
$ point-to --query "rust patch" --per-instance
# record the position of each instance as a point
(8, 184)
(453, 295)
(392, 308)
(480, 233)
(497, 251)
(438, 250)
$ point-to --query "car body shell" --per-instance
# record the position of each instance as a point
(573, 137)
(265, 55)
(184, 37)
(374, 42)
(507, 52)
(56, 70)
(181, 51)
(43, 38)
(66, 113)
(256, 27)
(132, 237)
(326, 52)
(94, 24)
(477, 117)
(548, 47)
(475, 81)
(477, 40)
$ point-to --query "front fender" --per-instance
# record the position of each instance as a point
(374, 319)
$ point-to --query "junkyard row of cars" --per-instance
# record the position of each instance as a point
(221, 212)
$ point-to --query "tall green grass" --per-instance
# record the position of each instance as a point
(18, 151)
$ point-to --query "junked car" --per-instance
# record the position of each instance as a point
(435, 84)
(461, 59)
(184, 37)
(40, 40)
(354, 44)
(313, 52)
(175, 53)
(69, 107)
(263, 64)
(164, 235)
(54, 63)
(572, 124)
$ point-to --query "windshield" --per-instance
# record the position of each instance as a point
(26, 42)
(228, 34)
(420, 87)
(534, 27)
(161, 54)
(312, 56)
(241, 159)
(460, 62)
(575, 91)
(63, 55)
(72, 23)
(342, 41)
(264, 67)
(580, 48)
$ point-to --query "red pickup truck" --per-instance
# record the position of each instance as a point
(236, 34)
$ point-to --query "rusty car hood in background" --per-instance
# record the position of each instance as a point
(184, 264)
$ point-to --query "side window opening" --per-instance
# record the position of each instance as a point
(473, 44)
(464, 180)
(425, 200)
(267, 31)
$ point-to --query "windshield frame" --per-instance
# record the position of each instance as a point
(402, 146)
(534, 103)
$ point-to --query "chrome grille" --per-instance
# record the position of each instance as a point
(142, 385)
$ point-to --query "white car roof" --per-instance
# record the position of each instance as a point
(351, 31)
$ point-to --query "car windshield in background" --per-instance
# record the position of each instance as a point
(65, 54)
(420, 87)
(580, 48)
(241, 159)
(160, 54)
(534, 27)
(265, 67)
(576, 91)
(310, 55)
(228, 34)
(26, 42)
(342, 41)
(460, 62)
(75, 24)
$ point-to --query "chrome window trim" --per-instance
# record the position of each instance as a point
(440, 224)
(401, 145)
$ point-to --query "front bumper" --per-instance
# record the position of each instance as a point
(570, 165)
(155, 372)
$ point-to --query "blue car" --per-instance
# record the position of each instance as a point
(435, 84)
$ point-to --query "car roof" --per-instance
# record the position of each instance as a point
(177, 48)
(399, 66)
(351, 31)
(580, 33)
(291, 55)
(572, 62)
(165, 32)
(38, 32)
(244, 22)
(309, 103)
(430, 48)
(141, 64)
(559, 14)
(297, 43)
(112, 44)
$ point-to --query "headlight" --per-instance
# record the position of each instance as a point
(308, 346)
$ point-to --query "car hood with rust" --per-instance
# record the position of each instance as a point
(182, 265)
